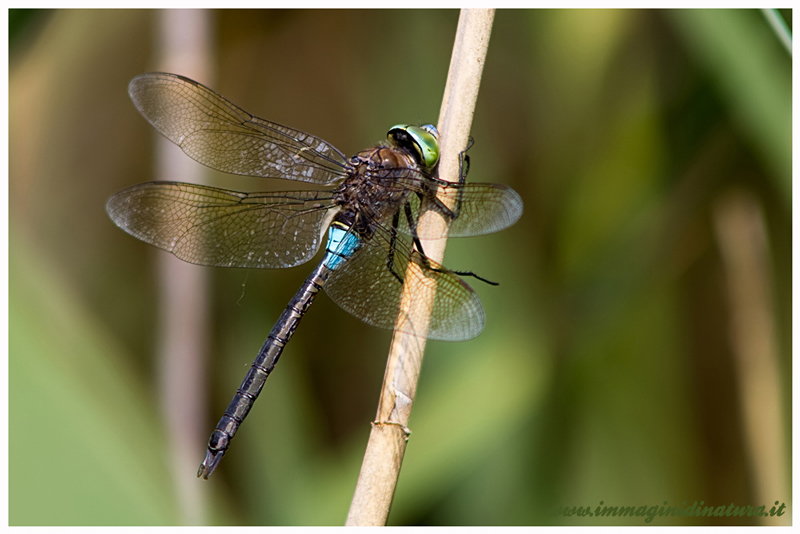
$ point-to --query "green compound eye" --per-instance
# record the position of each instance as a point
(422, 140)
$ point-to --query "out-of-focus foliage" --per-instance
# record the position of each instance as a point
(606, 371)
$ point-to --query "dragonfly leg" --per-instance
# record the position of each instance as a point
(392, 241)
(463, 170)
(424, 259)
(473, 275)
(412, 225)
(464, 159)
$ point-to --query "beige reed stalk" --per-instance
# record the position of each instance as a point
(387, 442)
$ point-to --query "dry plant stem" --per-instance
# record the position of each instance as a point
(740, 228)
(387, 443)
(184, 46)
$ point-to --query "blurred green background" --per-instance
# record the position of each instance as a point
(637, 350)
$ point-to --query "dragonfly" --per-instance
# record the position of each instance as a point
(369, 208)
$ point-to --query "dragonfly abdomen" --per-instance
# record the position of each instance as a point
(342, 243)
(263, 365)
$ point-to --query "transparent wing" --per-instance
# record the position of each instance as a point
(210, 226)
(217, 133)
(366, 287)
(479, 208)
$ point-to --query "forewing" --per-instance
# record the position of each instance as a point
(210, 226)
(479, 209)
(365, 286)
(217, 133)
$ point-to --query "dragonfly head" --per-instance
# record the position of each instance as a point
(422, 141)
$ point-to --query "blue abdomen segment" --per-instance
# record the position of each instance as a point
(342, 243)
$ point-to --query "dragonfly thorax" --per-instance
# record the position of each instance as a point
(384, 157)
(371, 189)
